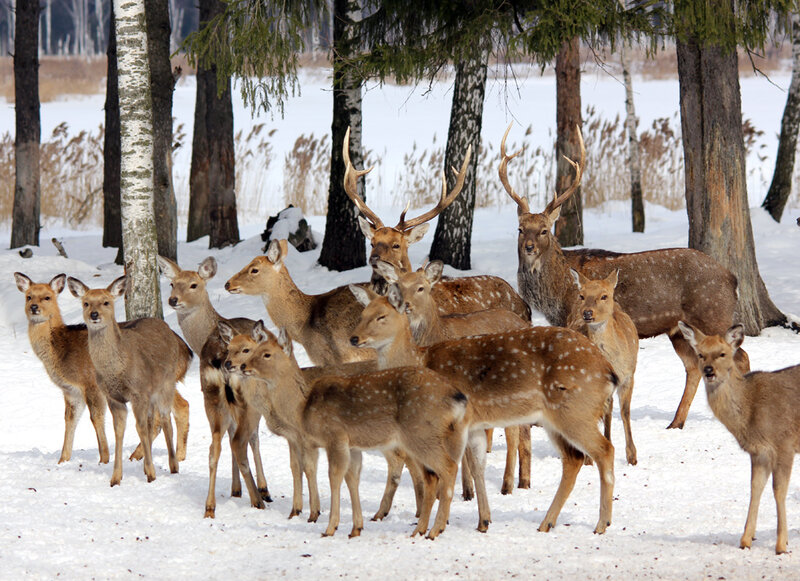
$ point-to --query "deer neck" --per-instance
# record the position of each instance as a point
(549, 288)
(730, 402)
(287, 305)
(401, 352)
(288, 395)
(106, 350)
(42, 337)
(378, 284)
(198, 324)
(430, 328)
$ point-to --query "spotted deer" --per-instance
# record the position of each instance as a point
(598, 316)
(139, 362)
(452, 295)
(656, 288)
(551, 376)
(64, 352)
(428, 326)
(762, 411)
(198, 320)
(414, 409)
(321, 323)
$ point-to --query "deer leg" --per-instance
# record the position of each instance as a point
(166, 427)
(180, 410)
(625, 393)
(524, 456)
(219, 422)
(97, 405)
(780, 484)
(352, 478)
(475, 458)
(467, 488)
(608, 411)
(428, 497)
(512, 443)
(571, 462)
(119, 413)
(296, 465)
(255, 446)
(447, 483)
(143, 414)
(241, 437)
(489, 436)
(759, 473)
(338, 461)
(73, 408)
(689, 359)
(395, 460)
(310, 461)
(416, 472)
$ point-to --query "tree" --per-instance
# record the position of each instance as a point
(781, 185)
(162, 85)
(198, 222)
(139, 238)
(343, 244)
(634, 160)
(112, 214)
(714, 154)
(27, 193)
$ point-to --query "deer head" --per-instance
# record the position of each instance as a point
(41, 299)
(535, 230)
(715, 353)
(263, 273)
(595, 303)
(391, 244)
(98, 303)
(188, 286)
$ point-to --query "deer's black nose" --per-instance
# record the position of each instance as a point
(529, 248)
(173, 301)
(94, 315)
(228, 365)
(708, 370)
(588, 315)
(354, 340)
(228, 286)
(34, 309)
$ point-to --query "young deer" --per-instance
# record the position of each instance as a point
(598, 316)
(656, 288)
(410, 408)
(64, 352)
(762, 411)
(321, 323)
(429, 327)
(452, 295)
(138, 362)
(551, 376)
(198, 321)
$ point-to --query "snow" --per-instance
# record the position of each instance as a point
(677, 514)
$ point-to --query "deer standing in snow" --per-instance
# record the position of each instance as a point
(656, 288)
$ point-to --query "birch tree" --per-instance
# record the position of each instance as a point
(634, 158)
(139, 239)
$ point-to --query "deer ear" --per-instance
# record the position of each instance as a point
(433, 271)
(395, 297)
(207, 268)
(416, 234)
(553, 216)
(76, 287)
(226, 332)
(274, 252)
(23, 282)
(57, 283)
(387, 270)
(363, 296)
(167, 267)
(366, 228)
(576, 276)
(692, 335)
(117, 288)
(613, 278)
(259, 332)
(285, 342)
(735, 336)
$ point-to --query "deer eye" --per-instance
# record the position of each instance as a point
(604, 298)
(581, 297)
(543, 232)
(245, 350)
(193, 285)
(701, 357)
(105, 303)
(420, 289)
(380, 317)
(253, 271)
(267, 355)
(519, 230)
(395, 246)
(722, 355)
(86, 305)
(29, 298)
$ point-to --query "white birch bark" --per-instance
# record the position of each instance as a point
(136, 175)
(634, 158)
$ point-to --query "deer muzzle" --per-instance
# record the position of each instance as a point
(34, 309)
(94, 316)
(173, 302)
(588, 315)
(708, 371)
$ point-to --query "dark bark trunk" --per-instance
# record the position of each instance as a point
(452, 241)
(781, 185)
(162, 83)
(27, 192)
(716, 188)
(343, 246)
(112, 217)
(198, 223)
(569, 226)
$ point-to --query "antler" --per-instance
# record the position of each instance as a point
(444, 201)
(503, 172)
(558, 200)
(351, 176)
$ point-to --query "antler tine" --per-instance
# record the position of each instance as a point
(557, 200)
(351, 176)
(503, 173)
(444, 201)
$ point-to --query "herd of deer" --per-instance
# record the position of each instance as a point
(421, 367)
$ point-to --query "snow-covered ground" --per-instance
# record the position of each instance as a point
(677, 514)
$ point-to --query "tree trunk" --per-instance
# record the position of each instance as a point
(198, 223)
(27, 192)
(162, 84)
(634, 159)
(139, 240)
(48, 22)
(781, 185)
(716, 188)
(343, 246)
(452, 241)
(112, 220)
(569, 226)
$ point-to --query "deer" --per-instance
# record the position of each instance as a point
(199, 320)
(321, 323)
(63, 350)
(551, 376)
(600, 318)
(390, 244)
(762, 411)
(657, 288)
(411, 408)
(139, 362)
(428, 326)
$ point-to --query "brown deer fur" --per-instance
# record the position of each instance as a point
(551, 376)
(762, 411)
(198, 321)
(139, 363)
(598, 316)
